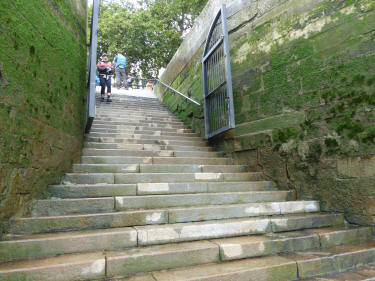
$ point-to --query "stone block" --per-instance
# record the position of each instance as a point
(204, 230)
(349, 167)
(161, 257)
(316, 267)
(368, 166)
(275, 122)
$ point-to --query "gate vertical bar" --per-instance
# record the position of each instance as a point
(228, 71)
(90, 114)
(205, 90)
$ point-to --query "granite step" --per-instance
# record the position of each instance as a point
(156, 258)
(280, 267)
(89, 266)
(162, 232)
(171, 160)
(141, 132)
(140, 120)
(121, 178)
(153, 141)
(182, 200)
(143, 137)
(21, 247)
(108, 190)
(87, 152)
(132, 122)
(145, 124)
(37, 246)
(157, 168)
(181, 232)
(139, 128)
(363, 273)
(147, 147)
(58, 207)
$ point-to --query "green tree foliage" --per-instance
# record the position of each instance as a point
(148, 34)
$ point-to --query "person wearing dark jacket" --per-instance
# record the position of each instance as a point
(105, 69)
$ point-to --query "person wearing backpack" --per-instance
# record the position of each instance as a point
(105, 69)
(120, 67)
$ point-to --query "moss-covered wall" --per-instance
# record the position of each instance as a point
(304, 94)
(42, 96)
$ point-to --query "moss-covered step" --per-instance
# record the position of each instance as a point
(179, 232)
(87, 221)
(163, 201)
(52, 244)
(91, 190)
(334, 260)
(154, 160)
(63, 268)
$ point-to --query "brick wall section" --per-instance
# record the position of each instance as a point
(304, 89)
(42, 105)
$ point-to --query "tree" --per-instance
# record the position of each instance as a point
(148, 35)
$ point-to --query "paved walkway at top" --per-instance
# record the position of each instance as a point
(146, 93)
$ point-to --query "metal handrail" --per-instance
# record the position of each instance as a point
(91, 85)
(174, 90)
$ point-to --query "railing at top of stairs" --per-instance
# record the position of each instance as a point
(175, 91)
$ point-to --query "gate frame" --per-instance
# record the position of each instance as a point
(221, 14)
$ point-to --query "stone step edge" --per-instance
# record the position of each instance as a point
(273, 207)
(157, 168)
(156, 222)
(156, 188)
(362, 273)
(285, 267)
(110, 258)
(145, 146)
(227, 249)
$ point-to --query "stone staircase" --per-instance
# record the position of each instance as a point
(151, 201)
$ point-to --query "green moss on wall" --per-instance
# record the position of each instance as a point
(42, 105)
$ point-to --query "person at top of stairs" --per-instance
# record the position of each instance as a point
(120, 69)
(105, 69)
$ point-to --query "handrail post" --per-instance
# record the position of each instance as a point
(90, 113)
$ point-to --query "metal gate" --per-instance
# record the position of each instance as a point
(217, 78)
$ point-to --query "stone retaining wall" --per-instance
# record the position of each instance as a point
(304, 93)
(42, 105)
